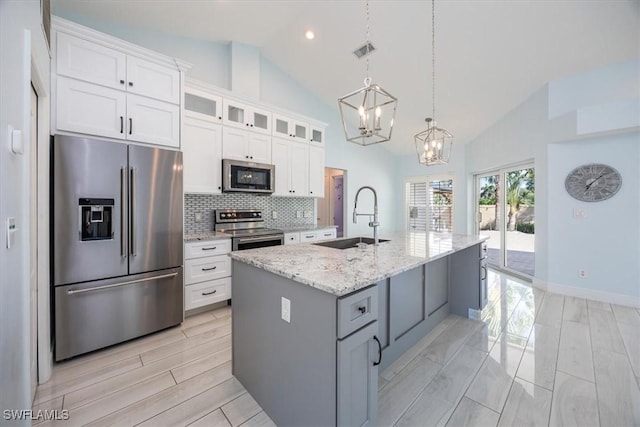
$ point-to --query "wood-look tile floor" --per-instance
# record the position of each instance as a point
(536, 359)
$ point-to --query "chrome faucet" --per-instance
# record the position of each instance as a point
(374, 224)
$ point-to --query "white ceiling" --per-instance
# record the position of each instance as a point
(490, 54)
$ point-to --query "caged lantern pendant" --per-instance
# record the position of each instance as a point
(433, 145)
(367, 114)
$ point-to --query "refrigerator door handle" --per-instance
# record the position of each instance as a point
(132, 205)
(130, 282)
(123, 192)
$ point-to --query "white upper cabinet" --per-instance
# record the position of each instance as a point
(94, 63)
(243, 145)
(86, 108)
(107, 87)
(247, 117)
(288, 128)
(316, 171)
(291, 160)
(153, 80)
(202, 155)
(316, 135)
(91, 62)
(152, 121)
(203, 105)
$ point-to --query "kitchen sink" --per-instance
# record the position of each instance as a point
(348, 243)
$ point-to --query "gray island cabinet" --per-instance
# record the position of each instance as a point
(313, 326)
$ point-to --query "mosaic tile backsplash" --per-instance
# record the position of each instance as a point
(286, 208)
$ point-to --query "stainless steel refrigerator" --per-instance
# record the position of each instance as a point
(117, 242)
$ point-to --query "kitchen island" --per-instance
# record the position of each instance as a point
(312, 325)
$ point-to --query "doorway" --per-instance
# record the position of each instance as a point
(505, 212)
(33, 239)
(331, 208)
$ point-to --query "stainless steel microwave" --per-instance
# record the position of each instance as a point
(247, 177)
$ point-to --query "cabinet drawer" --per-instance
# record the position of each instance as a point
(356, 310)
(291, 238)
(205, 249)
(329, 233)
(209, 268)
(308, 236)
(206, 293)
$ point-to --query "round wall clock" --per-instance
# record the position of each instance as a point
(593, 182)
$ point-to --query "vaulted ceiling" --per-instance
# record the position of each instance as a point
(490, 54)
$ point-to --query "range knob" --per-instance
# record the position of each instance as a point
(223, 215)
(255, 214)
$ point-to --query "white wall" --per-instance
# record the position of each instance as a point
(605, 242)
(21, 42)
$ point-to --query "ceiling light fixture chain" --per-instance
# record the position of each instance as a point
(433, 145)
(433, 55)
(368, 113)
(367, 80)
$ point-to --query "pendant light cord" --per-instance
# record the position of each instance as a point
(433, 54)
(367, 34)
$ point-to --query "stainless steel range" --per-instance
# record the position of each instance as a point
(246, 229)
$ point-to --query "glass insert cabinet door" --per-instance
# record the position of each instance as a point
(202, 105)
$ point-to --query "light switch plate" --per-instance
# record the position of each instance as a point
(11, 232)
(198, 216)
(307, 214)
(274, 214)
(286, 310)
(298, 214)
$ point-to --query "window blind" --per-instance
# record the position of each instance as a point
(430, 205)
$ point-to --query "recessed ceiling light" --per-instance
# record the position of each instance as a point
(310, 35)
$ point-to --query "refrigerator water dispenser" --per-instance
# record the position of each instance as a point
(96, 219)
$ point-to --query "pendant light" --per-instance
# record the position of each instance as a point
(368, 113)
(433, 144)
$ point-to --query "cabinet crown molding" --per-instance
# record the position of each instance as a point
(107, 40)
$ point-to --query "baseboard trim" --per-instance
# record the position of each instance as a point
(592, 294)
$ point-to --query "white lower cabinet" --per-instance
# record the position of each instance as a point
(207, 277)
(309, 236)
(291, 238)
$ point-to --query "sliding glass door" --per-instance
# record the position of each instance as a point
(505, 211)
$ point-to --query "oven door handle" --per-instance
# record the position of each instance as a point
(259, 239)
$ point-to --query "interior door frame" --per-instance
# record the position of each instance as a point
(502, 173)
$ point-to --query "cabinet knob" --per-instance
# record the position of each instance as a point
(219, 188)
(130, 83)
(219, 117)
(247, 124)
(246, 157)
(251, 125)
(121, 82)
(362, 309)
(311, 192)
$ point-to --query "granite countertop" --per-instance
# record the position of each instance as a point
(207, 235)
(341, 272)
(296, 228)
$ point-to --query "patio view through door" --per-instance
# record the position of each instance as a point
(505, 211)
(429, 204)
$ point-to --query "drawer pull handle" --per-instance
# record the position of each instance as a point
(327, 235)
(209, 293)
(379, 351)
(362, 309)
(210, 268)
(210, 249)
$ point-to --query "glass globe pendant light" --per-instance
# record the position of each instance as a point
(433, 145)
(367, 114)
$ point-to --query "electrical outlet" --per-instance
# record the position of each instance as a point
(579, 213)
(582, 273)
(286, 310)
(307, 214)
(298, 214)
(274, 214)
(199, 217)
